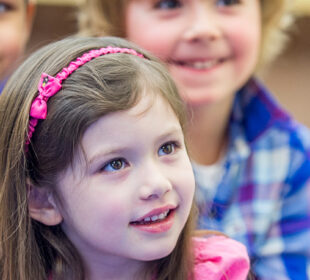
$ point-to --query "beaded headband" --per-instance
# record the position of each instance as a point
(49, 86)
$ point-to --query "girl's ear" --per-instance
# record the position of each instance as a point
(42, 206)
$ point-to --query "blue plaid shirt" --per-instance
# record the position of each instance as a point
(2, 83)
(263, 198)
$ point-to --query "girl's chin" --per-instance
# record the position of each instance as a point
(198, 100)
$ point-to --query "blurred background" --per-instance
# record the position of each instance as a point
(288, 76)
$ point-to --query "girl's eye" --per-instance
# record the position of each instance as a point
(168, 4)
(114, 165)
(167, 149)
(4, 8)
(227, 2)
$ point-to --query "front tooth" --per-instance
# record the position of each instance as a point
(162, 216)
(210, 64)
(154, 218)
(199, 65)
(202, 65)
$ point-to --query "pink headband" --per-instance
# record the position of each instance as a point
(49, 86)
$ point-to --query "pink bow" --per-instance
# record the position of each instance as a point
(48, 86)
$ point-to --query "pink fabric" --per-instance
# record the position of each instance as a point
(220, 258)
(48, 86)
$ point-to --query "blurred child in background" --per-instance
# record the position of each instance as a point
(250, 157)
(16, 18)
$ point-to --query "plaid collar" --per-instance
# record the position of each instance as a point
(254, 111)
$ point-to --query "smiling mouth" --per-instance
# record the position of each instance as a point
(198, 65)
(153, 219)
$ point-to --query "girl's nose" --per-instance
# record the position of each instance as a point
(154, 184)
(202, 23)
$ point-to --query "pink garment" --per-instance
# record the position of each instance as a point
(220, 258)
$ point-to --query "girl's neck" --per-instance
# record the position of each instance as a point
(207, 132)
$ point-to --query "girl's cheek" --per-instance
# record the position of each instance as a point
(245, 41)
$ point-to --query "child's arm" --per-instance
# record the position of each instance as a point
(285, 253)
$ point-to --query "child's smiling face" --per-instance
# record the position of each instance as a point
(211, 47)
(131, 200)
(15, 24)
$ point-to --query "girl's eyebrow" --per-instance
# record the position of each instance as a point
(107, 153)
(116, 150)
(175, 131)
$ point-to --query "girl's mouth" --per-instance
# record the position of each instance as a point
(153, 219)
(155, 223)
(198, 65)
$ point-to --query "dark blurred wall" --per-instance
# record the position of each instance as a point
(52, 22)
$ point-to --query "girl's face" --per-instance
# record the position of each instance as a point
(15, 23)
(210, 46)
(130, 202)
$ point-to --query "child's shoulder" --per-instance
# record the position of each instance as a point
(219, 257)
(267, 122)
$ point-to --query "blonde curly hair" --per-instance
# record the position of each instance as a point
(276, 22)
(106, 17)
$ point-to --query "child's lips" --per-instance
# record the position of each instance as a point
(156, 226)
(154, 215)
(152, 219)
(198, 64)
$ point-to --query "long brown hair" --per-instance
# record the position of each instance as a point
(106, 17)
(28, 249)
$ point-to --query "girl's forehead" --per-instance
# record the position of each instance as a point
(147, 101)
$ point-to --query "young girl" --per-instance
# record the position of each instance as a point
(95, 179)
(251, 159)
